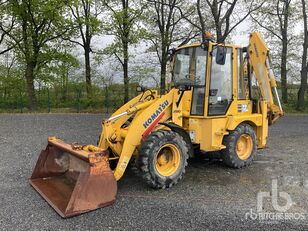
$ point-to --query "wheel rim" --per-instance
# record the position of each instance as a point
(244, 146)
(168, 160)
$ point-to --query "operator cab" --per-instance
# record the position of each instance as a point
(211, 68)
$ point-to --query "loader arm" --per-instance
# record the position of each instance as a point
(146, 116)
(260, 63)
(120, 116)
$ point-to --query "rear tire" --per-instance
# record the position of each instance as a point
(240, 147)
(163, 158)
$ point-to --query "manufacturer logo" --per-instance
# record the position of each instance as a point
(155, 114)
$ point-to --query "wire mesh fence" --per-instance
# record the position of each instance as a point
(76, 99)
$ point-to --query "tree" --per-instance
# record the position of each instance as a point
(11, 82)
(222, 15)
(197, 17)
(59, 70)
(123, 24)
(9, 22)
(85, 15)
(37, 24)
(166, 29)
(274, 17)
(104, 76)
(304, 69)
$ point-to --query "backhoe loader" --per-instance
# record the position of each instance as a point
(220, 98)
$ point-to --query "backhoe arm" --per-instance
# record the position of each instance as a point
(260, 63)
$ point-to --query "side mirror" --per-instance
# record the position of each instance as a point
(221, 55)
(140, 89)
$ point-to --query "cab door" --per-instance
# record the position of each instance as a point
(199, 67)
(219, 98)
(220, 83)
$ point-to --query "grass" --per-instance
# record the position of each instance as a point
(290, 108)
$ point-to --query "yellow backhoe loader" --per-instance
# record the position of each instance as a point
(221, 98)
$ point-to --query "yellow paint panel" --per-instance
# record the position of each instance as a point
(208, 132)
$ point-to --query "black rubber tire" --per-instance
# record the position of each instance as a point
(229, 155)
(147, 158)
(133, 165)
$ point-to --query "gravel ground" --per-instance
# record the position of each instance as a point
(210, 196)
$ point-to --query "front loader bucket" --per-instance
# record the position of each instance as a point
(73, 181)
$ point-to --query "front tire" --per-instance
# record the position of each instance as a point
(163, 158)
(240, 147)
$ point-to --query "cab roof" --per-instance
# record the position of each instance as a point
(199, 44)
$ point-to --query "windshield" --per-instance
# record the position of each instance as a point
(190, 63)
